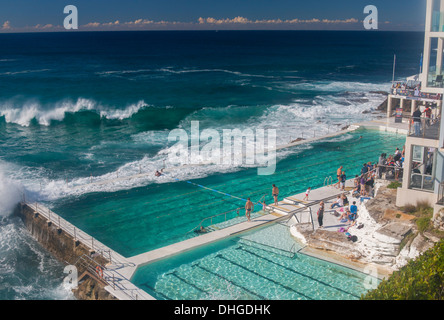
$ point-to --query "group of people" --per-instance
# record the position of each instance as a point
(417, 117)
(392, 165)
(349, 212)
(407, 89)
(363, 185)
(340, 175)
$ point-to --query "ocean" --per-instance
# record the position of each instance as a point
(81, 107)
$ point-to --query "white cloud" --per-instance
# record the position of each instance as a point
(242, 20)
(201, 24)
(92, 24)
(6, 26)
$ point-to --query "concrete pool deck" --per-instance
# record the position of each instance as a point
(121, 270)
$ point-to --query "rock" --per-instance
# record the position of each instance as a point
(412, 250)
(393, 233)
(383, 106)
(438, 220)
(396, 215)
(385, 93)
(383, 201)
(333, 241)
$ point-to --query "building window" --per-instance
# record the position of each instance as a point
(435, 77)
(437, 17)
(422, 175)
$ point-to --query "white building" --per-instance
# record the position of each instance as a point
(424, 150)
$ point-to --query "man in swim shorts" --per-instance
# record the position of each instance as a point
(338, 176)
(248, 208)
(275, 192)
(343, 180)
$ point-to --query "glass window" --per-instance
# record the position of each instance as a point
(423, 168)
(437, 16)
(435, 76)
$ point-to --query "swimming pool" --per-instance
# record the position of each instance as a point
(263, 264)
(145, 218)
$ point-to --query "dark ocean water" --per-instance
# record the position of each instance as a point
(77, 106)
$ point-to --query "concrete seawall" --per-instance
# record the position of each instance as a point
(55, 236)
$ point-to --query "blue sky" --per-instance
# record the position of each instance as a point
(47, 15)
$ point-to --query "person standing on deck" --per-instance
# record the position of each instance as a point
(275, 192)
(363, 182)
(364, 169)
(417, 121)
(248, 208)
(338, 176)
(428, 115)
(321, 214)
(307, 193)
(343, 179)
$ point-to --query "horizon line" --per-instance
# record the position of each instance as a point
(207, 30)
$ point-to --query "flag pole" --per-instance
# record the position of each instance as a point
(394, 65)
(420, 64)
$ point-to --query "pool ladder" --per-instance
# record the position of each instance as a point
(328, 181)
(211, 227)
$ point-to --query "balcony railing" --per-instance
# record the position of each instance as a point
(415, 94)
(426, 128)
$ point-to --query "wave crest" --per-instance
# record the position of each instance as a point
(33, 110)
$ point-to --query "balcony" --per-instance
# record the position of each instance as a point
(416, 94)
(425, 128)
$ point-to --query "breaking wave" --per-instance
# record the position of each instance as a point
(30, 111)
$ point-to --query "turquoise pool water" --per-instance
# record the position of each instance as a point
(258, 265)
(145, 218)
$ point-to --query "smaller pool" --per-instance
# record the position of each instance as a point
(262, 264)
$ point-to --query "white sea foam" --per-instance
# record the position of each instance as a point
(24, 114)
(10, 195)
(184, 71)
(26, 270)
(303, 118)
(9, 73)
(338, 86)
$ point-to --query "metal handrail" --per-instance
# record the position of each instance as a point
(428, 128)
(214, 216)
(261, 200)
(328, 181)
(311, 218)
(379, 173)
(75, 233)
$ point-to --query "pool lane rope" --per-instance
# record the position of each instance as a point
(216, 191)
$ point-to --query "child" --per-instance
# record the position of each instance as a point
(307, 194)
